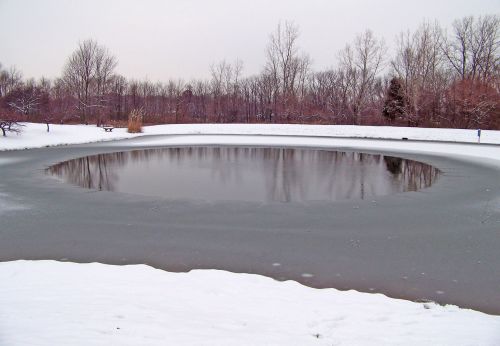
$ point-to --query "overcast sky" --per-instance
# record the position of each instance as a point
(166, 39)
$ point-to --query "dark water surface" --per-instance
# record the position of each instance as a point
(247, 174)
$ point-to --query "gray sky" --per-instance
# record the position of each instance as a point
(182, 38)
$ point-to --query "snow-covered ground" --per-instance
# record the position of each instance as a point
(36, 136)
(54, 303)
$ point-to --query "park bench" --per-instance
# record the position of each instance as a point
(108, 128)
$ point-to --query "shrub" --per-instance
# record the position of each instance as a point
(135, 120)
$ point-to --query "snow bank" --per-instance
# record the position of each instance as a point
(36, 136)
(349, 131)
(55, 303)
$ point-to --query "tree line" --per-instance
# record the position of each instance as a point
(435, 78)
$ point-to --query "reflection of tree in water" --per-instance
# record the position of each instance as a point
(393, 164)
(283, 174)
(92, 172)
(413, 175)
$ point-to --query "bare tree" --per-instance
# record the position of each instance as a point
(9, 80)
(285, 64)
(174, 92)
(361, 63)
(3, 81)
(471, 104)
(221, 75)
(282, 55)
(118, 96)
(24, 100)
(10, 126)
(418, 64)
(485, 45)
(87, 74)
(104, 67)
(443, 80)
(472, 50)
(225, 89)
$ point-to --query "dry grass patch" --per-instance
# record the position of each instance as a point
(135, 121)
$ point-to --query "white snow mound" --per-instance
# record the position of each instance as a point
(58, 303)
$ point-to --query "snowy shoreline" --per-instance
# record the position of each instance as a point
(58, 303)
(48, 302)
(34, 135)
(455, 142)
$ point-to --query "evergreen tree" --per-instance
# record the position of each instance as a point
(394, 104)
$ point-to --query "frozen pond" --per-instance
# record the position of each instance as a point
(440, 243)
(247, 174)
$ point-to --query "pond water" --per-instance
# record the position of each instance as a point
(247, 174)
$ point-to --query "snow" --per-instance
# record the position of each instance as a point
(35, 135)
(57, 303)
(349, 131)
